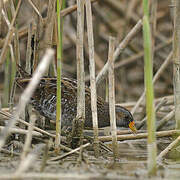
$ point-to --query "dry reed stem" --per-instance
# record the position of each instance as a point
(112, 97)
(70, 33)
(9, 35)
(35, 9)
(28, 161)
(57, 176)
(1, 7)
(163, 121)
(140, 136)
(125, 132)
(80, 68)
(12, 80)
(119, 50)
(29, 49)
(16, 47)
(139, 55)
(155, 78)
(157, 107)
(120, 8)
(27, 145)
(49, 26)
(5, 151)
(25, 97)
(72, 9)
(6, 18)
(92, 75)
(23, 32)
(169, 148)
(45, 156)
(67, 154)
(49, 32)
(176, 62)
(24, 165)
(102, 16)
(6, 114)
(21, 131)
(129, 105)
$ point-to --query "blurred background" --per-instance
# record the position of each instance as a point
(110, 17)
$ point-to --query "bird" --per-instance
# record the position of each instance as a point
(44, 101)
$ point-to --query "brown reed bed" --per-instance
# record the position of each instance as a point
(29, 28)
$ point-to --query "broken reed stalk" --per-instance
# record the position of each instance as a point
(37, 131)
(92, 76)
(164, 120)
(68, 153)
(35, 9)
(169, 148)
(176, 62)
(26, 95)
(101, 75)
(155, 78)
(150, 110)
(59, 58)
(78, 126)
(6, 114)
(112, 97)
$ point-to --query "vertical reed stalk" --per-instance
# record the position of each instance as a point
(1, 6)
(92, 76)
(48, 31)
(28, 140)
(12, 79)
(112, 97)
(107, 90)
(9, 65)
(176, 62)
(29, 49)
(59, 58)
(78, 122)
(6, 81)
(80, 60)
(150, 110)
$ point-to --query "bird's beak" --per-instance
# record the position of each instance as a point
(133, 127)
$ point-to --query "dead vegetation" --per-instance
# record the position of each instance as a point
(28, 29)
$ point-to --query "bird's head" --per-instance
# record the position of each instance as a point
(124, 118)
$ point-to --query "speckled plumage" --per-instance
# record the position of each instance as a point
(44, 101)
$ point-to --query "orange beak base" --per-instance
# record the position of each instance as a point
(132, 127)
